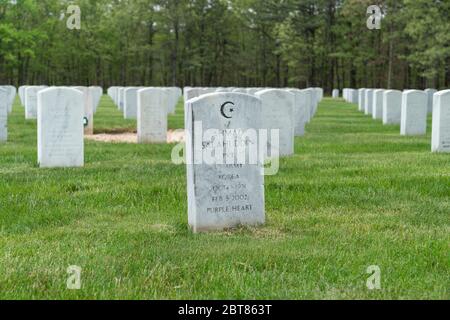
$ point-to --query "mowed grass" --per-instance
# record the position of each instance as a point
(355, 194)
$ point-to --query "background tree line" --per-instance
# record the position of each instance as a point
(276, 43)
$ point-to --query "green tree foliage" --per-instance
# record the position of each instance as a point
(226, 43)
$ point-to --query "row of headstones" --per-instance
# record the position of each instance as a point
(28, 99)
(125, 98)
(7, 96)
(61, 116)
(410, 109)
(294, 108)
(222, 196)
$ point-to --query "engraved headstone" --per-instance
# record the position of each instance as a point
(441, 122)
(278, 113)
(152, 115)
(60, 128)
(3, 115)
(414, 113)
(223, 194)
(392, 107)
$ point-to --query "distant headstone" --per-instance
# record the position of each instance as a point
(441, 122)
(278, 113)
(335, 94)
(301, 112)
(130, 102)
(368, 102)
(377, 111)
(11, 93)
(121, 98)
(392, 107)
(190, 93)
(152, 115)
(175, 94)
(352, 96)
(97, 93)
(309, 104)
(430, 93)
(22, 94)
(88, 110)
(252, 91)
(219, 90)
(3, 115)
(60, 128)
(361, 99)
(223, 194)
(414, 113)
(31, 101)
(319, 92)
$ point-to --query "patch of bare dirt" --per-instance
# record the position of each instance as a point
(173, 136)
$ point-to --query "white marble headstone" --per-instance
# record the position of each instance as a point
(130, 103)
(301, 111)
(335, 93)
(392, 107)
(152, 115)
(278, 113)
(88, 110)
(430, 93)
(368, 102)
(414, 113)
(252, 91)
(361, 99)
(175, 94)
(121, 98)
(3, 115)
(441, 122)
(60, 128)
(377, 106)
(11, 93)
(97, 93)
(22, 94)
(190, 93)
(223, 194)
(309, 104)
(31, 101)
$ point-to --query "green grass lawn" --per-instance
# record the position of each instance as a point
(355, 194)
